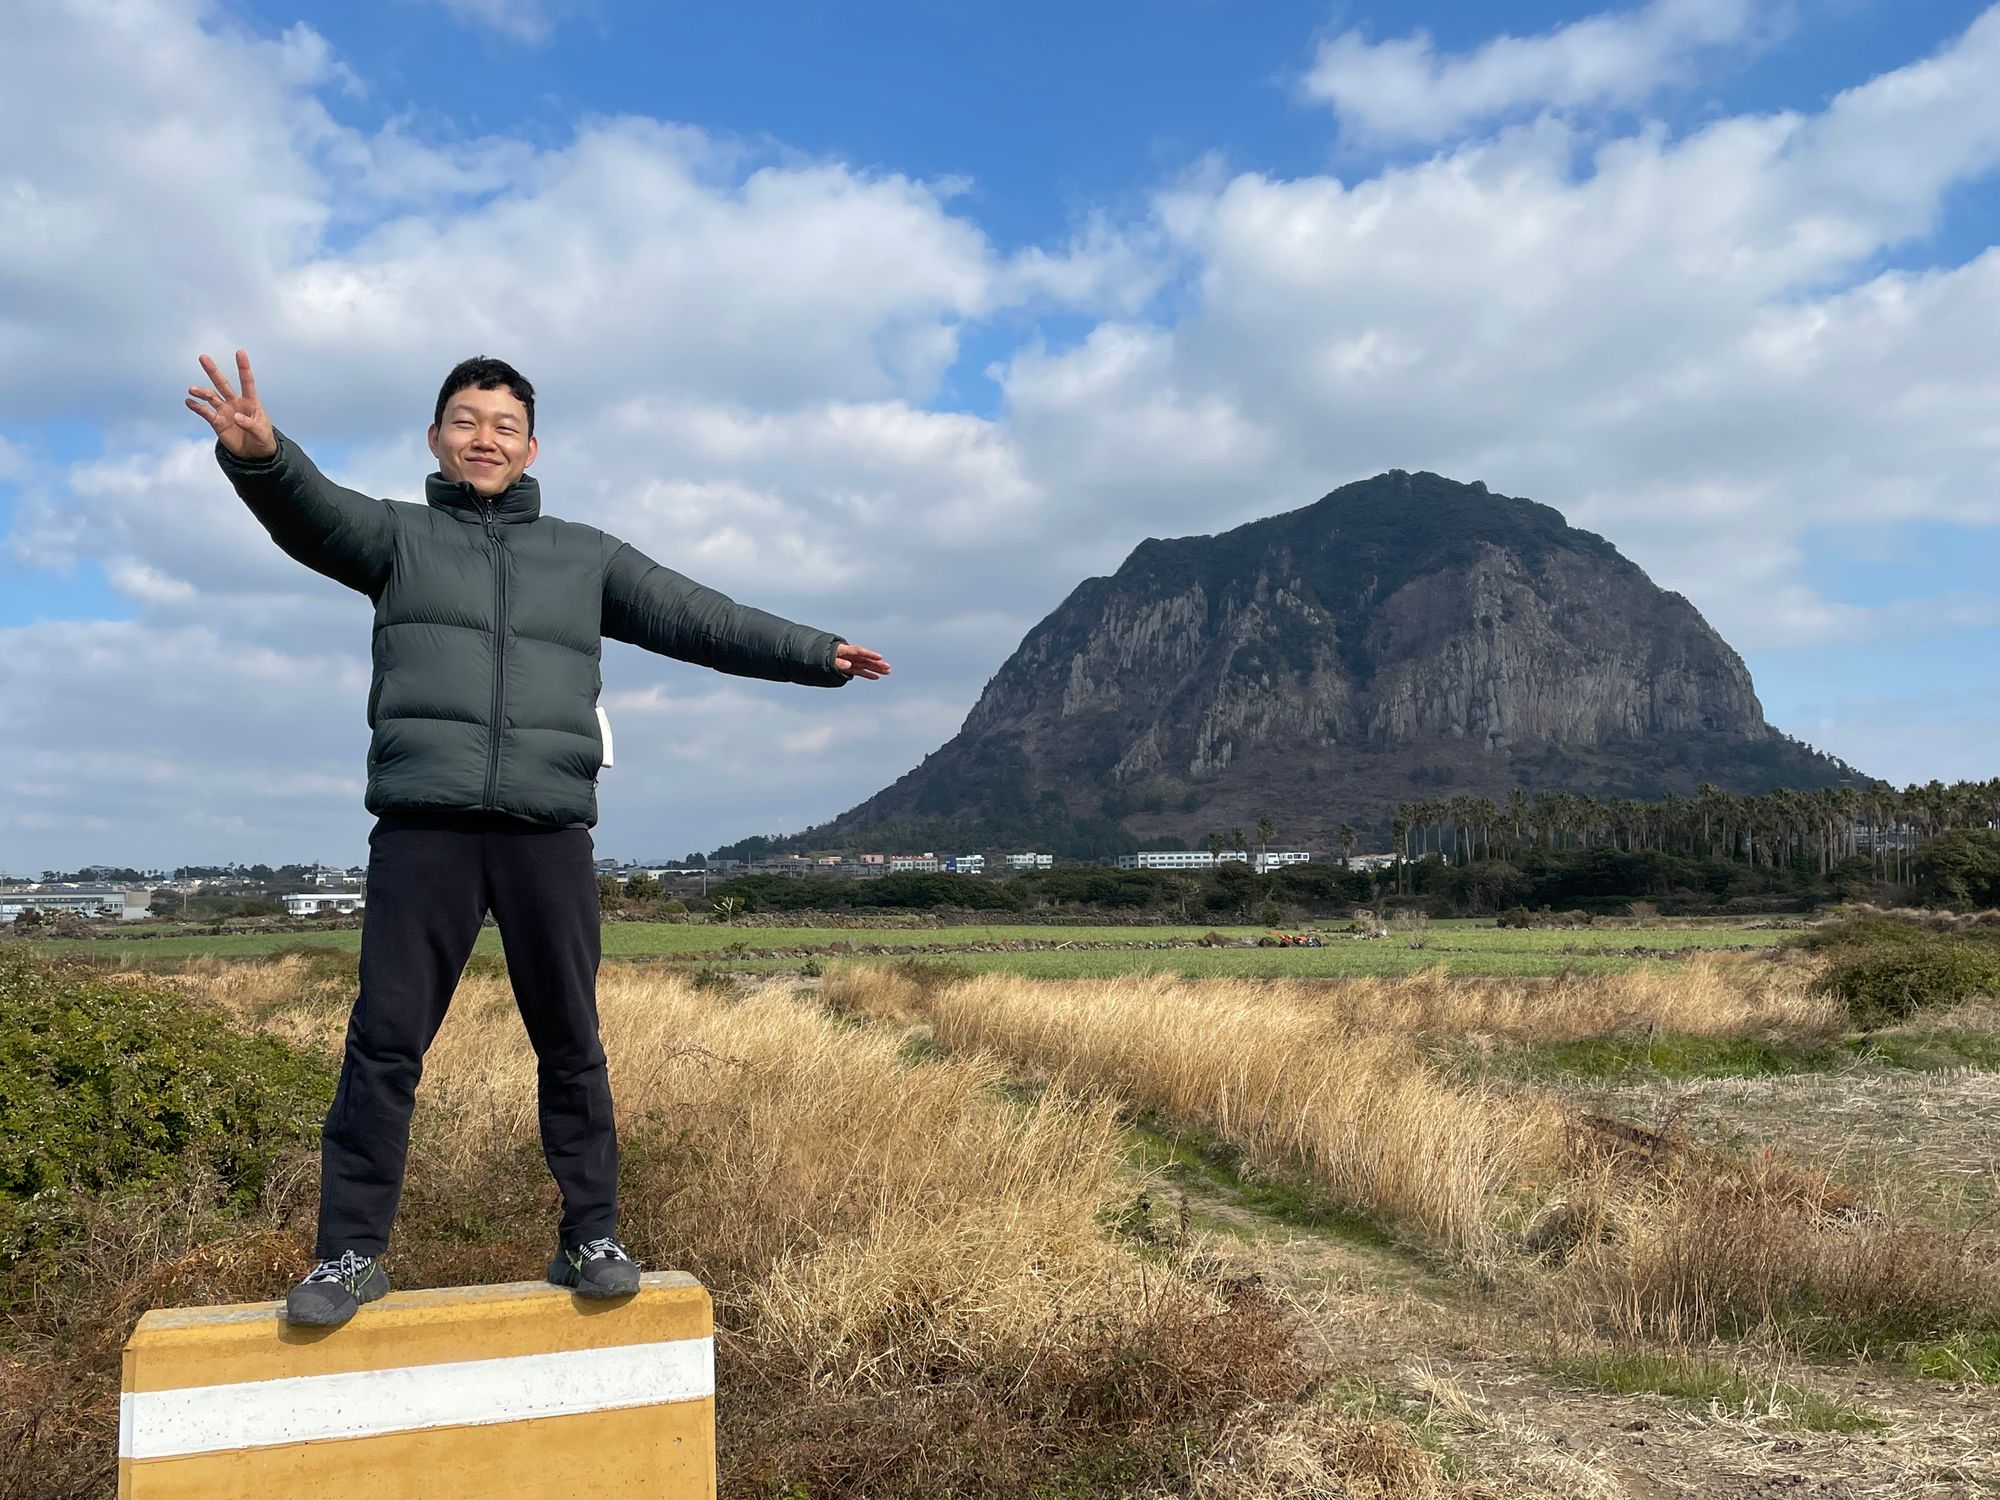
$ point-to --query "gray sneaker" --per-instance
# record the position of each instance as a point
(596, 1268)
(333, 1289)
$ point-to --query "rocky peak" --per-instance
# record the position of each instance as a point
(1318, 666)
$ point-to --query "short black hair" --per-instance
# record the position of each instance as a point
(482, 373)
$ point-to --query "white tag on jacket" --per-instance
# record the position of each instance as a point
(604, 733)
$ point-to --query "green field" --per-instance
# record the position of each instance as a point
(1462, 947)
(1266, 963)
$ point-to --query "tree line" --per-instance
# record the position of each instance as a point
(1823, 828)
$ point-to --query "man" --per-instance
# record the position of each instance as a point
(482, 771)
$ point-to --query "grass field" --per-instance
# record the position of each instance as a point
(1659, 1226)
(1470, 949)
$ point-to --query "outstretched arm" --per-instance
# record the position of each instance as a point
(339, 532)
(661, 610)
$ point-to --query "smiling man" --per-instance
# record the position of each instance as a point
(482, 771)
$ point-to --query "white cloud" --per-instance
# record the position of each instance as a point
(149, 584)
(529, 21)
(120, 734)
(1403, 89)
(1668, 343)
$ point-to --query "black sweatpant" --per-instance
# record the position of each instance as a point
(431, 881)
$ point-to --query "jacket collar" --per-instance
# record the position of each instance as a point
(520, 501)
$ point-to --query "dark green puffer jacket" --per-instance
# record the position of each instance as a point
(489, 618)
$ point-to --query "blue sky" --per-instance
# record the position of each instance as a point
(905, 317)
(1048, 110)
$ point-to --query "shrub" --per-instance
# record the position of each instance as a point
(1888, 965)
(1867, 929)
(110, 1081)
(1888, 981)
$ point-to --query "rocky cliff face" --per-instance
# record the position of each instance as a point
(1404, 636)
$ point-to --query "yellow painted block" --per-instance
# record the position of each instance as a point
(524, 1392)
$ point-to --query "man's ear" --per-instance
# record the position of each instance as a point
(431, 437)
(534, 447)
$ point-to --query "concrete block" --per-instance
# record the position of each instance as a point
(521, 1392)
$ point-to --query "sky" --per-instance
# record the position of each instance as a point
(901, 319)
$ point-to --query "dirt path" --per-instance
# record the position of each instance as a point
(1405, 1340)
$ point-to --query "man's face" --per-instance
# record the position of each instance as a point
(483, 439)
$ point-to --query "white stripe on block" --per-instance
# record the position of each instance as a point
(369, 1403)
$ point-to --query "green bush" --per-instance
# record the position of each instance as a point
(1855, 932)
(107, 1081)
(1886, 981)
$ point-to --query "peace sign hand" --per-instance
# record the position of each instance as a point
(240, 422)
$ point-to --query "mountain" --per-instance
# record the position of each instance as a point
(1405, 637)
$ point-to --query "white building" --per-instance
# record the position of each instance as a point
(913, 864)
(1031, 861)
(1372, 861)
(1273, 859)
(1201, 859)
(966, 864)
(75, 901)
(1171, 859)
(312, 903)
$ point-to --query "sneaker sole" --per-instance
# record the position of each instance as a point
(563, 1274)
(334, 1317)
(331, 1318)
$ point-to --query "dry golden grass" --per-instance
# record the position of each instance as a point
(1647, 1241)
(870, 1216)
(916, 1293)
(1709, 995)
(1267, 1452)
(1275, 1069)
(1698, 1249)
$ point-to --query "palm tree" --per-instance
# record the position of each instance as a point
(1461, 827)
(1484, 814)
(1517, 814)
(1346, 836)
(1709, 802)
(1552, 809)
(1266, 831)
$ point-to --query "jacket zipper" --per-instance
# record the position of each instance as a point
(499, 654)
